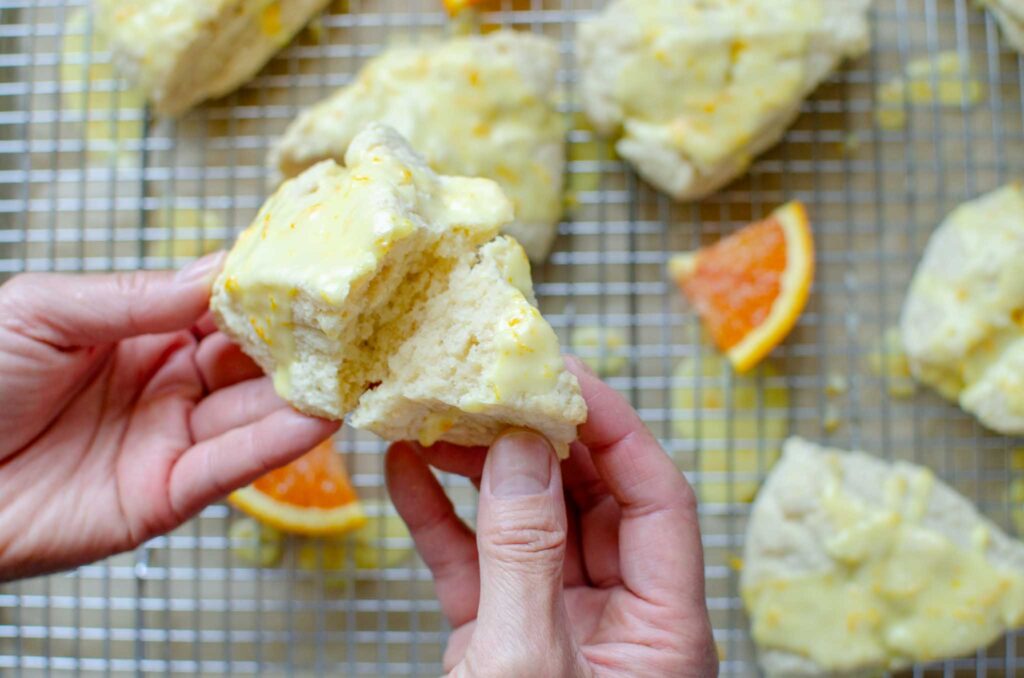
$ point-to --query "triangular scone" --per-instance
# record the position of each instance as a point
(481, 106)
(963, 319)
(181, 52)
(483, 358)
(854, 566)
(1010, 15)
(698, 88)
(342, 269)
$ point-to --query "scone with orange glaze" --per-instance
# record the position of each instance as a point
(695, 89)
(854, 566)
(380, 289)
(963, 319)
(481, 106)
(182, 52)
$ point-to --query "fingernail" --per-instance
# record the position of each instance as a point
(520, 464)
(202, 270)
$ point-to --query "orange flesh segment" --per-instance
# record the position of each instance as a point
(737, 280)
(315, 480)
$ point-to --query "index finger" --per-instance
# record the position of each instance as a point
(661, 556)
(72, 311)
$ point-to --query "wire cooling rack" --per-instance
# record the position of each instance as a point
(89, 182)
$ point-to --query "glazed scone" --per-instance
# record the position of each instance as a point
(322, 286)
(854, 566)
(482, 359)
(347, 290)
(182, 52)
(1010, 15)
(963, 319)
(473, 106)
(698, 88)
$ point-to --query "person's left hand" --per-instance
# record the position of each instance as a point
(124, 412)
(602, 576)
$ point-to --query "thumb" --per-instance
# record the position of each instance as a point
(521, 536)
(71, 311)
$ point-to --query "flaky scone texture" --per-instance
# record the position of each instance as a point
(379, 287)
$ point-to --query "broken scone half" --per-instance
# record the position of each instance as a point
(854, 566)
(380, 289)
(696, 89)
(182, 52)
(481, 106)
(963, 319)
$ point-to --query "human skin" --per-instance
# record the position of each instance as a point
(591, 567)
(124, 413)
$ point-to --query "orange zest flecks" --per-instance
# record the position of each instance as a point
(270, 20)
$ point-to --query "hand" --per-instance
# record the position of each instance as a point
(124, 413)
(613, 586)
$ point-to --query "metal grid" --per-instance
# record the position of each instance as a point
(89, 182)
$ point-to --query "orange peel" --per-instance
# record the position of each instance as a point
(751, 287)
(311, 496)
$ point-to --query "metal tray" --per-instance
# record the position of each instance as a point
(88, 182)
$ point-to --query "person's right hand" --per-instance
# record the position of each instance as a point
(612, 587)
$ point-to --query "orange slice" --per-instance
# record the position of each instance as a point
(751, 287)
(312, 496)
(456, 6)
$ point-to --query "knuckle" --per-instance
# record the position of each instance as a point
(250, 404)
(131, 287)
(526, 533)
(687, 497)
